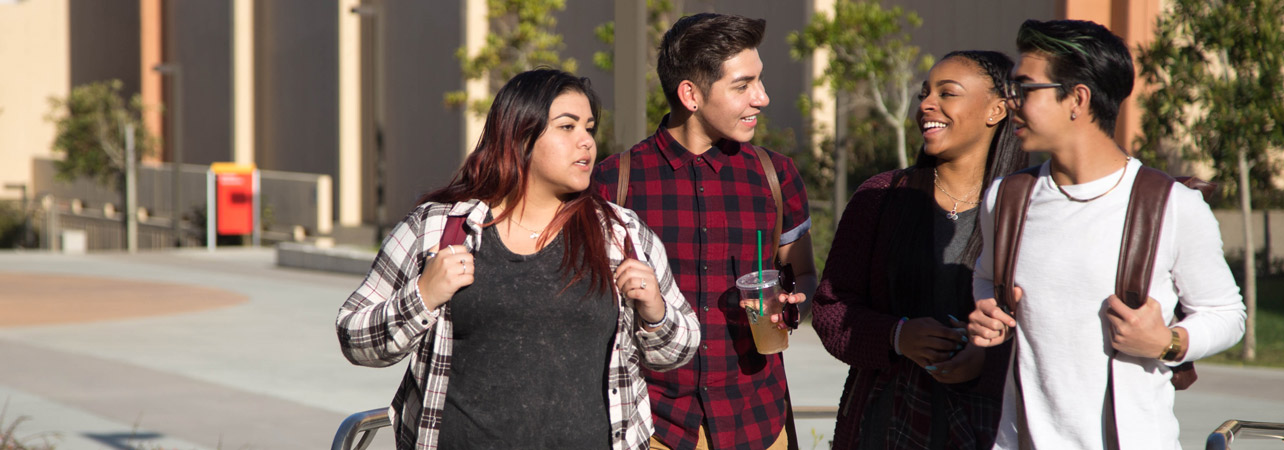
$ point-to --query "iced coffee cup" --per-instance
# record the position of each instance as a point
(766, 336)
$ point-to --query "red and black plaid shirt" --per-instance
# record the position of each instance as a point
(708, 209)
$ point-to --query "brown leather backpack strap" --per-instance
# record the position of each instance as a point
(453, 233)
(622, 183)
(773, 182)
(1144, 220)
(1011, 204)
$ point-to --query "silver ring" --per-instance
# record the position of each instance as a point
(452, 249)
(643, 284)
(462, 263)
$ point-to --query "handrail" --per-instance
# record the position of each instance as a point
(365, 424)
(1221, 438)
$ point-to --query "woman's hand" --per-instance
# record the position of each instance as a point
(965, 365)
(636, 280)
(926, 342)
(444, 274)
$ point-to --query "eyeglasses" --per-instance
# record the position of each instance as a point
(1016, 91)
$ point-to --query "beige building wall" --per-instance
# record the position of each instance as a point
(35, 52)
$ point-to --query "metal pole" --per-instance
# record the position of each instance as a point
(211, 210)
(177, 142)
(257, 235)
(131, 192)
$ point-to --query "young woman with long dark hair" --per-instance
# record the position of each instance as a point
(533, 331)
(899, 273)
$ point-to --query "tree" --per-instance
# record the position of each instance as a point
(90, 132)
(522, 37)
(870, 53)
(1218, 76)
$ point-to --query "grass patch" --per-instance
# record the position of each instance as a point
(1270, 329)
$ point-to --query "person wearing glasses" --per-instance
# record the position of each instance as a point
(1067, 320)
(532, 332)
(899, 273)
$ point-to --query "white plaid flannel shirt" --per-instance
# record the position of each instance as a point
(385, 319)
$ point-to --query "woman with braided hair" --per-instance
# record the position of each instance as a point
(899, 274)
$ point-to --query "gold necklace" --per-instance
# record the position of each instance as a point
(1103, 194)
(534, 234)
(954, 211)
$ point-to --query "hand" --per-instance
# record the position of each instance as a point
(774, 309)
(926, 342)
(965, 365)
(444, 274)
(1138, 332)
(988, 324)
(637, 281)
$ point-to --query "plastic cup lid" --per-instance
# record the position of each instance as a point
(750, 280)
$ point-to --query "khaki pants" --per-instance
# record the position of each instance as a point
(782, 441)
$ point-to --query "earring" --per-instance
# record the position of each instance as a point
(1073, 116)
(990, 120)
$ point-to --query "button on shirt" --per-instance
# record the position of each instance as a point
(708, 210)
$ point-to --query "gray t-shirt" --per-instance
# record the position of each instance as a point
(529, 363)
(953, 291)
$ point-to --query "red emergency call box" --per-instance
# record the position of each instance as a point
(234, 186)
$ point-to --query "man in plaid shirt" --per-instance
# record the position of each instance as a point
(700, 186)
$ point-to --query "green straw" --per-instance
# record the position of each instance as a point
(760, 272)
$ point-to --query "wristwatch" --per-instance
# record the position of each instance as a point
(1174, 348)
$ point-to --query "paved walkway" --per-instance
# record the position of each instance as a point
(224, 350)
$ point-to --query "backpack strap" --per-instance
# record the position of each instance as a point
(453, 233)
(1011, 204)
(773, 182)
(622, 183)
(1144, 220)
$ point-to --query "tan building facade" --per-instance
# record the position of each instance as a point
(293, 85)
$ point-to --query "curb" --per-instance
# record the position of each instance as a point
(311, 257)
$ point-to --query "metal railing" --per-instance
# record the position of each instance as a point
(1230, 430)
(360, 428)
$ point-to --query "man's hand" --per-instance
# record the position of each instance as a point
(1138, 332)
(988, 324)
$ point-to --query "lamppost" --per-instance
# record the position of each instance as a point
(175, 115)
(373, 12)
(26, 220)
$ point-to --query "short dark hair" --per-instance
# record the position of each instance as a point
(696, 46)
(1083, 52)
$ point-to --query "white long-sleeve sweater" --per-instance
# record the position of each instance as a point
(1066, 266)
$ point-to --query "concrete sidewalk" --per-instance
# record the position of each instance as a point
(266, 372)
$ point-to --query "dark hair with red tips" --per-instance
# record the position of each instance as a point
(497, 170)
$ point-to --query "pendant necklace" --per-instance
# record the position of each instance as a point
(534, 234)
(953, 214)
